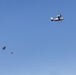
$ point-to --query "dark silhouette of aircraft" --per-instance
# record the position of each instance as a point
(11, 52)
(4, 47)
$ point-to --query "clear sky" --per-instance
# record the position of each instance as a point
(40, 47)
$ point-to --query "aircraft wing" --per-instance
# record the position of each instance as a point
(59, 16)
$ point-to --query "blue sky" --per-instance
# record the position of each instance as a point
(40, 47)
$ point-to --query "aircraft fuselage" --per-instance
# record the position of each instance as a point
(57, 19)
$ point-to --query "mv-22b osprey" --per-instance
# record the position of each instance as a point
(58, 18)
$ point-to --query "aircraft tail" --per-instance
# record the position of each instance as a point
(51, 18)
